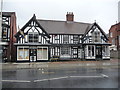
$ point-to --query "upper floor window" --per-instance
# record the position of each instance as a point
(56, 38)
(75, 39)
(33, 37)
(65, 39)
(4, 32)
(96, 36)
(113, 41)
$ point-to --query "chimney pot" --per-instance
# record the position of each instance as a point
(70, 16)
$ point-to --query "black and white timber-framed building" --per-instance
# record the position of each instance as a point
(42, 40)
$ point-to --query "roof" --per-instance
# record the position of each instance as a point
(64, 27)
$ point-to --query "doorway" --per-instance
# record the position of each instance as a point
(98, 52)
(33, 54)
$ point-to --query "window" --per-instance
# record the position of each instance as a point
(4, 33)
(56, 51)
(96, 36)
(42, 53)
(39, 53)
(45, 53)
(75, 39)
(65, 50)
(65, 39)
(33, 37)
(56, 38)
(105, 50)
(23, 54)
(113, 41)
(91, 50)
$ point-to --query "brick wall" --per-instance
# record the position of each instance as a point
(114, 38)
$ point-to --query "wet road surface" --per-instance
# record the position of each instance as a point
(74, 77)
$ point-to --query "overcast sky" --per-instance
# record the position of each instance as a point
(105, 12)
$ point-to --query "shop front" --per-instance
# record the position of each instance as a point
(32, 53)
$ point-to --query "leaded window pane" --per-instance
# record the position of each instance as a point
(65, 50)
(33, 37)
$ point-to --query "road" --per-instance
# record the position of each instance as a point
(61, 77)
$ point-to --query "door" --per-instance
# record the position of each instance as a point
(75, 53)
(98, 52)
(33, 54)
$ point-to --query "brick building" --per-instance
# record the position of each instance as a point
(8, 31)
(114, 36)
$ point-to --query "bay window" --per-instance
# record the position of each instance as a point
(91, 50)
(105, 51)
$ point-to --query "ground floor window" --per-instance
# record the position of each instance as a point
(91, 50)
(23, 53)
(42, 53)
(65, 51)
(105, 51)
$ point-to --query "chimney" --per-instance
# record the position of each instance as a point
(70, 16)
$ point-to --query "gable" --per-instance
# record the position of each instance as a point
(33, 25)
(32, 32)
(95, 35)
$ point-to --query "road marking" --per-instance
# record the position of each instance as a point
(15, 81)
(102, 75)
(40, 80)
(50, 79)
(47, 72)
(59, 78)
(86, 76)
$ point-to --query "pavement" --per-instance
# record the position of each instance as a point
(28, 65)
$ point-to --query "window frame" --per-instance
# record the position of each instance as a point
(65, 39)
(65, 50)
(32, 37)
